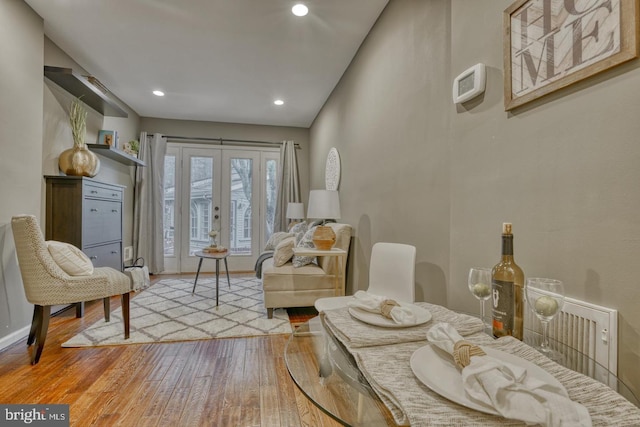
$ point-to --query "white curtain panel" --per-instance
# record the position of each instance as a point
(148, 241)
(289, 180)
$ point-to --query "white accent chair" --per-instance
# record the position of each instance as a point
(391, 273)
(46, 284)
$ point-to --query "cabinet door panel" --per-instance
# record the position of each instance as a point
(102, 222)
(106, 255)
(95, 191)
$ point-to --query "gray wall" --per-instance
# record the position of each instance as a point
(21, 45)
(420, 170)
(388, 117)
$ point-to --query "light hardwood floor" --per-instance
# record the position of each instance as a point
(224, 382)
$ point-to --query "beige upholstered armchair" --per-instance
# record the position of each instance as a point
(47, 284)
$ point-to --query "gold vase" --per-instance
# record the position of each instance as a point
(324, 237)
(79, 161)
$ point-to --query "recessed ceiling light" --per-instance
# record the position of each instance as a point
(278, 102)
(300, 9)
(158, 93)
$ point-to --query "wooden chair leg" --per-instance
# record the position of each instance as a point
(107, 308)
(269, 313)
(125, 314)
(80, 309)
(41, 334)
(35, 322)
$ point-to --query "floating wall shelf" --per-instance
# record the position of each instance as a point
(79, 86)
(115, 154)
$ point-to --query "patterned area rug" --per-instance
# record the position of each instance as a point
(168, 311)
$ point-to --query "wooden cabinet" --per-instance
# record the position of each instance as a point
(88, 214)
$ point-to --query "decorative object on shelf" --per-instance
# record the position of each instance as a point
(97, 83)
(107, 137)
(553, 44)
(324, 205)
(131, 148)
(135, 146)
(78, 161)
(332, 170)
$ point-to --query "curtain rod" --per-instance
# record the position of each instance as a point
(223, 141)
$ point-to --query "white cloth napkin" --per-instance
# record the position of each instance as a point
(509, 390)
(373, 303)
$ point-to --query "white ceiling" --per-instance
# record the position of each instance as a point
(216, 60)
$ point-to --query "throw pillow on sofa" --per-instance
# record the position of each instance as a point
(306, 241)
(300, 227)
(275, 239)
(284, 251)
(70, 259)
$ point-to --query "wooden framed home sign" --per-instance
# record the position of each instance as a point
(551, 44)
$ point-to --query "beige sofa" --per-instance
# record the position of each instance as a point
(288, 286)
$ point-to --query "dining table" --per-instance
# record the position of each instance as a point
(370, 373)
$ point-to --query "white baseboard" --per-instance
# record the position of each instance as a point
(14, 337)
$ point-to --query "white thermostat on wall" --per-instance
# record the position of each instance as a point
(469, 84)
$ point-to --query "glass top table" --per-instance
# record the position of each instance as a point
(328, 376)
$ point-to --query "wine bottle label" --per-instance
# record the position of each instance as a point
(502, 305)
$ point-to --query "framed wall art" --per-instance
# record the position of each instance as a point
(551, 44)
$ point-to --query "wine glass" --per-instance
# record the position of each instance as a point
(546, 298)
(480, 286)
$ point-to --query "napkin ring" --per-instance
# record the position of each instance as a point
(463, 350)
(386, 306)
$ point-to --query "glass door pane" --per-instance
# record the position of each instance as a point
(240, 212)
(169, 200)
(241, 215)
(200, 205)
(271, 196)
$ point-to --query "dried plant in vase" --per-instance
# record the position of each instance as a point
(78, 161)
(78, 120)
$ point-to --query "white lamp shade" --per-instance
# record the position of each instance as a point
(323, 204)
(295, 211)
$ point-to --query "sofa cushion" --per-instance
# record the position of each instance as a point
(290, 278)
(70, 259)
(284, 251)
(275, 239)
(305, 242)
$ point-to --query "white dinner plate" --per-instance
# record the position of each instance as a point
(437, 370)
(422, 316)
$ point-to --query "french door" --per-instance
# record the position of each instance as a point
(229, 191)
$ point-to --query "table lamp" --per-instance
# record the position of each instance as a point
(324, 205)
(294, 211)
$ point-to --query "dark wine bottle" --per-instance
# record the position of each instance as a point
(507, 291)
